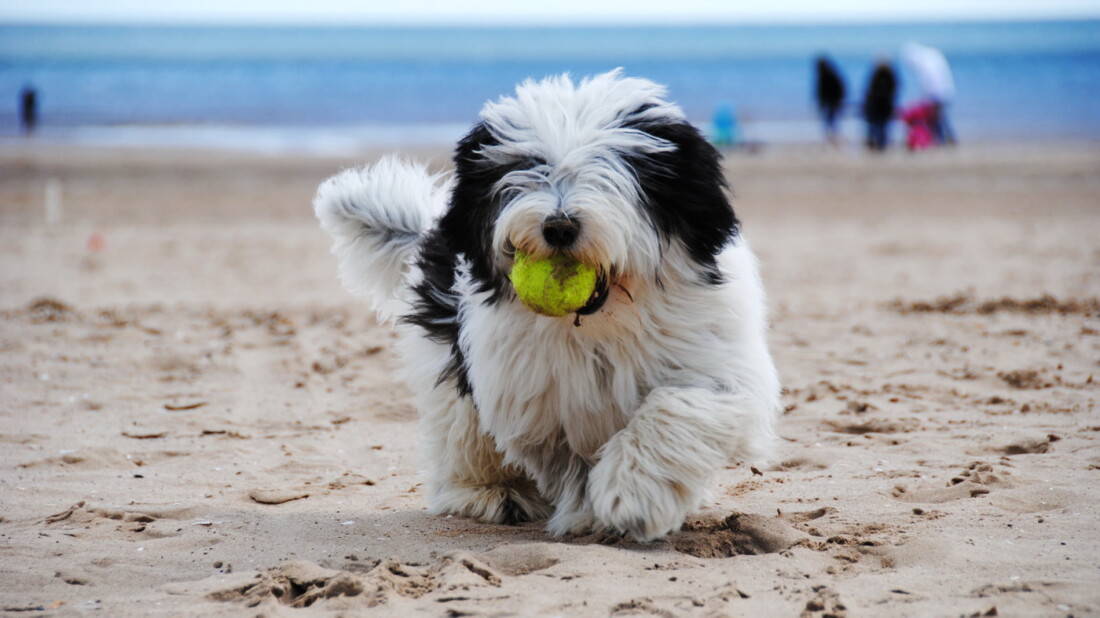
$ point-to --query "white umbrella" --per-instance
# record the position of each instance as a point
(932, 71)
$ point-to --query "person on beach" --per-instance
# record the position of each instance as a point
(878, 105)
(725, 127)
(937, 86)
(830, 96)
(918, 119)
(28, 109)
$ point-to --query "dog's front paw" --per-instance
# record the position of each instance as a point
(627, 498)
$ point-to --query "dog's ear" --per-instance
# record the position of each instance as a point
(468, 223)
(685, 192)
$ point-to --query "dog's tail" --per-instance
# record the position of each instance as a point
(377, 216)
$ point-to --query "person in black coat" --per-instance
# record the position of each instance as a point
(28, 108)
(830, 95)
(878, 105)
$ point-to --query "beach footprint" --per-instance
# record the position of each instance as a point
(295, 584)
(739, 534)
(975, 480)
(146, 521)
(515, 560)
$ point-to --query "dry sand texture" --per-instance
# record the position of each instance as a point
(196, 418)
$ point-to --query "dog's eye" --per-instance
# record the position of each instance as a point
(509, 249)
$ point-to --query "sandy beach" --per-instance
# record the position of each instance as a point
(195, 418)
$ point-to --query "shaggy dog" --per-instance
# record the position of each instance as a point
(612, 419)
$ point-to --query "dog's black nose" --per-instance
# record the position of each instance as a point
(560, 231)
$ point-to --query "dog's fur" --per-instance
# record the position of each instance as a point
(615, 418)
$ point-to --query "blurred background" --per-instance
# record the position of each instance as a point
(341, 76)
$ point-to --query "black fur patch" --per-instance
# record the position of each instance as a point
(685, 193)
(468, 223)
(463, 230)
(436, 306)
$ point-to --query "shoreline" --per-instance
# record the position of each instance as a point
(19, 151)
(345, 140)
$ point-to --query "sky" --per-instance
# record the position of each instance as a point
(526, 12)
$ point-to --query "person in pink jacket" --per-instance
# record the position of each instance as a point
(936, 83)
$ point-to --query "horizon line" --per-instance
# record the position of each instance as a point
(479, 21)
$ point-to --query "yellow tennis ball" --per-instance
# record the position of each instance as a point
(553, 286)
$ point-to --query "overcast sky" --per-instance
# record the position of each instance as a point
(506, 11)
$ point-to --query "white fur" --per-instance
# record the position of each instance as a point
(375, 216)
(618, 423)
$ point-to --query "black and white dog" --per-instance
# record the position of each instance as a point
(615, 418)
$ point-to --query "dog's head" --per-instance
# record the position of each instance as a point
(606, 171)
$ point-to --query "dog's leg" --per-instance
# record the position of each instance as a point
(653, 473)
(466, 474)
(562, 476)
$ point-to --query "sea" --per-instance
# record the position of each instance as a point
(333, 89)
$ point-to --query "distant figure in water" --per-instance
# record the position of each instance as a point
(28, 108)
(830, 96)
(937, 86)
(725, 127)
(878, 105)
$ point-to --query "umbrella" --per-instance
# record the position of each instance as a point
(932, 71)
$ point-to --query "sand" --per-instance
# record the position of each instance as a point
(197, 419)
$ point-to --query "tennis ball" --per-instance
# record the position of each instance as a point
(553, 286)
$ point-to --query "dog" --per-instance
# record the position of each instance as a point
(616, 418)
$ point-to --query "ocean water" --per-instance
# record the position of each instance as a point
(344, 87)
